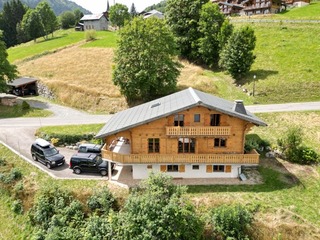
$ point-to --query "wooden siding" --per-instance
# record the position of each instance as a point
(251, 158)
(198, 131)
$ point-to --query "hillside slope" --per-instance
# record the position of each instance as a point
(287, 68)
(58, 6)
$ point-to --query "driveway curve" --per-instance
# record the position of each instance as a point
(18, 133)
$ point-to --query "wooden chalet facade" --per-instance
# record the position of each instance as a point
(188, 134)
(249, 7)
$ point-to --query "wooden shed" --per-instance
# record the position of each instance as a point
(23, 86)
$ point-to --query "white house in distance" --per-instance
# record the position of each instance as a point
(97, 22)
(153, 13)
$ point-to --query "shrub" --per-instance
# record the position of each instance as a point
(98, 228)
(294, 151)
(3, 162)
(91, 35)
(17, 206)
(102, 201)
(231, 222)
(25, 105)
(13, 175)
(253, 141)
(66, 138)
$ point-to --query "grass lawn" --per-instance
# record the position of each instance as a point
(104, 39)
(287, 63)
(307, 12)
(61, 39)
(17, 111)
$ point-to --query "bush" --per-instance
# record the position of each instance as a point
(231, 222)
(91, 35)
(13, 175)
(66, 138)
(17, 206)
(3, 162)
(253, 141)
(101, 202)
(294, 151)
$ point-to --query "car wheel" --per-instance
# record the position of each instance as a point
(77, 170)
(34, 157)
(103, 172)
(48, 165)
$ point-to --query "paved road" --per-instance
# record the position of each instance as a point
(18, 133)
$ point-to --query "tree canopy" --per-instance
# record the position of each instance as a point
(183, 18)
(237, 55)
(7, 71)
(119, 14)
(48, 18)
(158, 210)
(146, 67)
(67, 19)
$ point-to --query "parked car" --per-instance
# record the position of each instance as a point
(90, 148)
(89, 162)
(44, 152)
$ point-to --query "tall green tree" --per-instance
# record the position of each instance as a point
(32, 25)
(237, 56)
(8, 71)
(48, 18)
(183, 18)
(210, 23)
(133, 11)
(158, 210)
(78, 15)
(119, 14)
(12, 14)
(146, 67)
(67, 19)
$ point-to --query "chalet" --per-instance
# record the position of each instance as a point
(249, 7)
(188, 134)
(98, 22)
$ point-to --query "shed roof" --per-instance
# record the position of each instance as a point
(21, 81)
(92, 17)
(172, 104)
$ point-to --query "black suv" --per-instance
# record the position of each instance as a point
(44, 152)
(88, 162)
(90, 148)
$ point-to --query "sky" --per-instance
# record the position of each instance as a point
(98, 6)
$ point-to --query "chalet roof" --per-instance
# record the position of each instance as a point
(172, 104)
(21, 81)
(92, 17)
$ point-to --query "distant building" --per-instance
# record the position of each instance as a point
(249, 7)
(152, 13)
(98, 22)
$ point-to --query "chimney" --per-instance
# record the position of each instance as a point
(239, 107)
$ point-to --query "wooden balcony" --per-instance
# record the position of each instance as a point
(198, 131)
(251, 158)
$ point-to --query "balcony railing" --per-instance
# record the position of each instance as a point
(250, 158)
(198, 131)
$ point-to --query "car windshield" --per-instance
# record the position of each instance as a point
(98, 160)
(50, 152)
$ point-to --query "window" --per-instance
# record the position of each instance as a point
(186, 145)
(195, 167)
(220, 142)
(197, 118)
(172, 168)
(179, 120)
(218, 168)
(153, 145)
(214, 119)
(149, 166)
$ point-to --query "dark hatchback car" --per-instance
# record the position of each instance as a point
(44, 152)
(90, 148)
(88, 162)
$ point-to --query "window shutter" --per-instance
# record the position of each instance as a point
(182, 168)
(209, 168)
(228, 168)
(163, 168)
